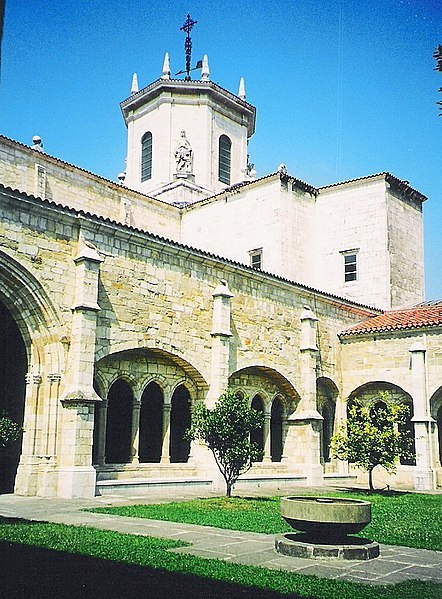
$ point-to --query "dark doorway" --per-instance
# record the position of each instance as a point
(151, 424)
(328, 413)
(119, 423)
(257, 435)
(179, 423)
(13, 369)
(276, 431)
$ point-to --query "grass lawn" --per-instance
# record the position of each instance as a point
(54, 560)
(408, 519)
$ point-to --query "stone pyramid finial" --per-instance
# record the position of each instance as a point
(166, 67)
(134, 87)
(242, 89)
(205, 73)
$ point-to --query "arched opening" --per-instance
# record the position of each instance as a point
(146, 156)
(408, 427)
(328, 414)
(224, 158)
(179, 423)
(276, 431)
(151, 424)
(377, 412)
(118, 424)
(13, 368)
(257, 435)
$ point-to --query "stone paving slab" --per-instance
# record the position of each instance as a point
(394, 565)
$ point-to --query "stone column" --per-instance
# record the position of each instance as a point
(165, 452)
(425, 476)
(76, 473)
(306, 422)
(135, 430)
(221, 335)
(101, 417)
(267, 438)
(26, 480)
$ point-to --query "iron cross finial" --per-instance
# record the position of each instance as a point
(187, 27)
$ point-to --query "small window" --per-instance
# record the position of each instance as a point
(225, 146)
(350, 267)
(256, 259)
(146, 156)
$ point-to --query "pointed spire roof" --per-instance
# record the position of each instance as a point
(166, 67)
(134, 87)
(242, 89)
(205, 73)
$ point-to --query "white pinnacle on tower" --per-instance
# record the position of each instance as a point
(242, 89)
(205, 73)
(166, 67)
(134, 87)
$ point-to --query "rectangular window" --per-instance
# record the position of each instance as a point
(350, 267)
(256, 259)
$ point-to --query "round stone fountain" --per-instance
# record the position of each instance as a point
(325, 524)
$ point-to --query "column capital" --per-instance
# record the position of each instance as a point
(222, 290)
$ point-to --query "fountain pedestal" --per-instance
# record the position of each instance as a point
(326, 524)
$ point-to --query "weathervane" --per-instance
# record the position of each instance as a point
(187, 27)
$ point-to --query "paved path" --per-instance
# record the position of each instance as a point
(395, 564)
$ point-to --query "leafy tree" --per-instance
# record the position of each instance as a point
(226, 431)
(10, 431)
(373, 437)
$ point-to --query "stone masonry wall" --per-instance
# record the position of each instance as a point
(38, 174)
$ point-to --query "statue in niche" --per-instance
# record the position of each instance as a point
(183, 155)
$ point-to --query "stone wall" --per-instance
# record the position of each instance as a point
(38, 174)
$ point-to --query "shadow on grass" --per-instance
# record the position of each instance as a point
(29, 572)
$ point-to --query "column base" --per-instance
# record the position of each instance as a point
(425, 480)
(315, 475)
(76, 481)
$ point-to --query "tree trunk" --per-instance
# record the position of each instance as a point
(370, 480)
(229, 489)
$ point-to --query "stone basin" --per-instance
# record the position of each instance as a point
(323, 518)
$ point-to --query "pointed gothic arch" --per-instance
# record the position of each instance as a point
(35, 347)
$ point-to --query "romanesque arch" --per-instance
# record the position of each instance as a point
(179, 423)
(327, 395)
(118, 423)
(151, 424)
(257, 435)
(276, 430)
(163, 389)
(279, 399)
(373, 395)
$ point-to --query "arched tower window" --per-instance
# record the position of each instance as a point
(225, 146)
(146, 156)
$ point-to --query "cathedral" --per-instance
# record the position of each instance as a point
(124, 304)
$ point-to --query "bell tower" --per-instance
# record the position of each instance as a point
(187, 139)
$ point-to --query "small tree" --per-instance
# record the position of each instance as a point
(372, 438)
(226, 431)
(10, 431)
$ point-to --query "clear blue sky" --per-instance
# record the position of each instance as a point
(342, 88)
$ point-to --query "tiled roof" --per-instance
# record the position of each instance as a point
(422, 316)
